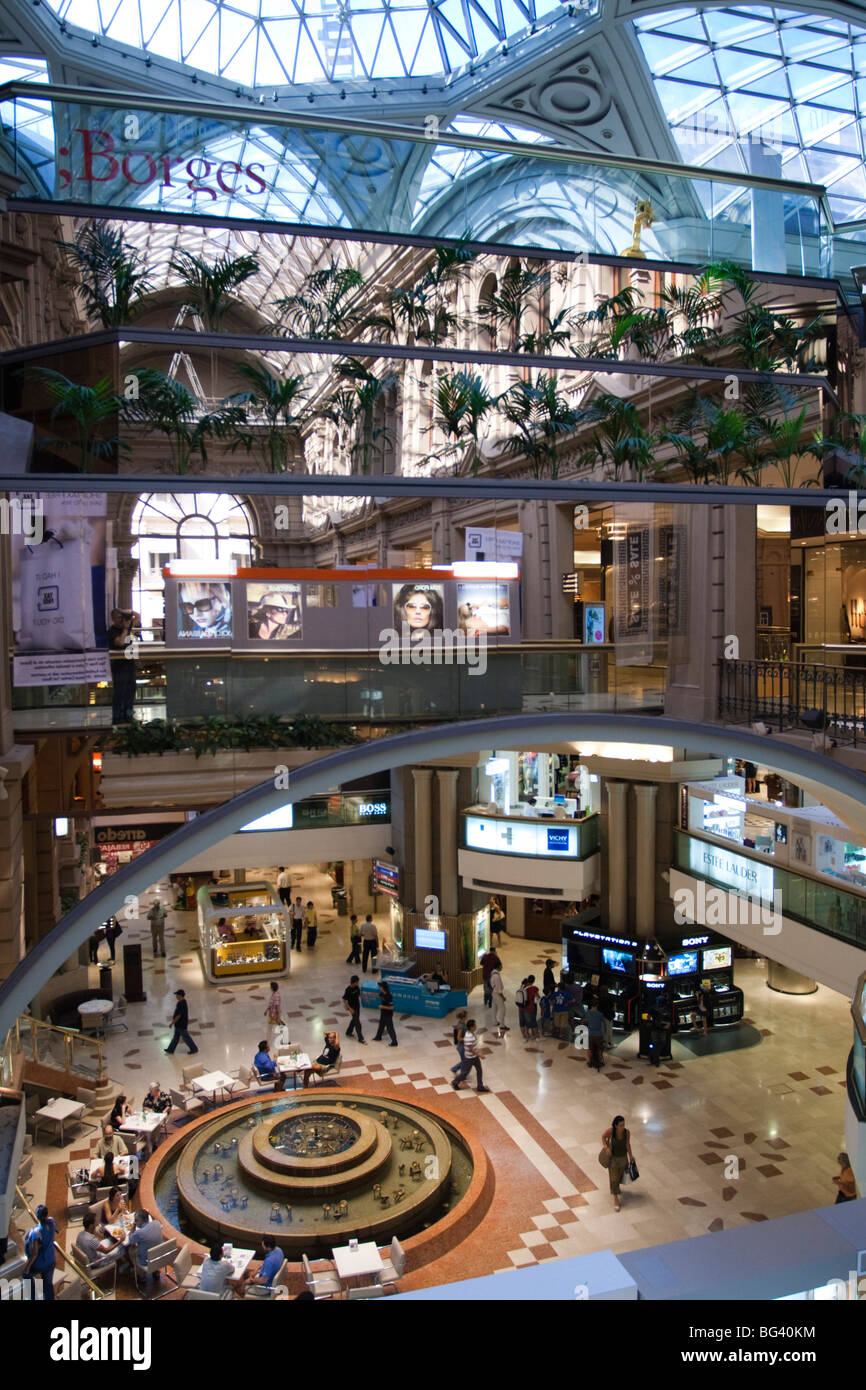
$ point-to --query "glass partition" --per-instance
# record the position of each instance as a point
(521, 190)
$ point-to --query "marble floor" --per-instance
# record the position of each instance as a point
(720, 1141)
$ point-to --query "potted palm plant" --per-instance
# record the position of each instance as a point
(278, 403)
(165, 405)
(110, 274)
(89, 409)
(209, 287)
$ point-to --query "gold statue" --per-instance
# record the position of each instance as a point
(643, 217)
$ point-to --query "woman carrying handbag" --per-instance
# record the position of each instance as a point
(616, 1156)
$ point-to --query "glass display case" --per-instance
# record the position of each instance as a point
(243, 931)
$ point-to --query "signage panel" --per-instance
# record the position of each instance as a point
(524, 838)
(732, 870)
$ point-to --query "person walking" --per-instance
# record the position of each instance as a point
(703, 1007)
(180, 1023)
(93, 947)
(520, 1001)
(617, 1142)
(845, 1180)
(284, 886)
(471, 1060)
(489, 962)
(39, 1249)
(352, 1000)
(370, 938)
(457, 1033)
(274, 1015)
(497, 990)
(311, 924)
(156, 917)
(386, 1014)
(595, 1031)
(354, 956)
(297, 923)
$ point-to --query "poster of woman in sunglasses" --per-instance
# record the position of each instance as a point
(204, 610)
(274, 612)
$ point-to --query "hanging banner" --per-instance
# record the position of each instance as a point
(674, 595)
(58, 593)
(632, 569)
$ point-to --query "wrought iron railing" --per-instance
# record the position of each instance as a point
(792, 695)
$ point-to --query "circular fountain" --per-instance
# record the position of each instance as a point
(314, 1173)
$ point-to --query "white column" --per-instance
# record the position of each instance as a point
(617, 857)
(447, 779)
(645, 913)
(423, 777)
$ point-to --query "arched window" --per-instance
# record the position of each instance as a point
(183, 526)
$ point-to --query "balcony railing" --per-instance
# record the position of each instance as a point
(833, 910)
(554, 677)
(791, 695)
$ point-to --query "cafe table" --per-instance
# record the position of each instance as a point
(144, 1123)
(213, 1081)
(356, 1263)
(291, 1063)
(96, 1012)
(58, 1112)
(124, 1167)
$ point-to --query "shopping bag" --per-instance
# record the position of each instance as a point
(633, 1171)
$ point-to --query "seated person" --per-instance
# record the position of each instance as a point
(121, 1110)
(113, 1209)
(145, 1235)
(157, 1100)
(111, 1143)
(103, 1174)
(266, 1066)
(326, 1059)
(225, 930)
(267, 1270)
(217, 1273)
(89, 1246)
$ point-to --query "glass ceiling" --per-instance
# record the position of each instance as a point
(793, 81)
(274, 42)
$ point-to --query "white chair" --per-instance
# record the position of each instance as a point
(180, 1272)
(271, 1290)
(159, 1257)
(190, 1105)
(262, 1083)
(202, 1296)
(395, 1267)
(322, 1284)
(190, 1073)
(319, 1077)
(366, 1291)
(85, 1097)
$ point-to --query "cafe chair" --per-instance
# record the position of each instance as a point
(367, 1291)
(85, 1096)
(202, 1296)
(322, 1284)
(189, 1105)
(394, 1268)
(180, 1273)
(268, 1291)
(333, 1071)
(77, 1210)
(262, 1083)
(190, 1073)
(159, 1257)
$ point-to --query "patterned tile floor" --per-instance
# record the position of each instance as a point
(720, 1140)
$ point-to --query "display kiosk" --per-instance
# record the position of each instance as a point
(606, 964)
(704, 962)
(243, 931)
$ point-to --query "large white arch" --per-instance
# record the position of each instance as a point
(416, 746)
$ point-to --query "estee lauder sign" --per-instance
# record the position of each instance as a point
(93, 156)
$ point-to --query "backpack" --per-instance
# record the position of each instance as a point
(520, 997)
